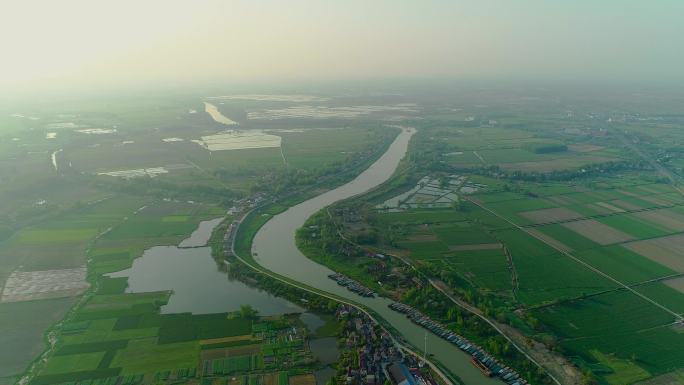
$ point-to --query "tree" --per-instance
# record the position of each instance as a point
(247, 311)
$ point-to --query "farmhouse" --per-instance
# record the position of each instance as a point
(399, 374)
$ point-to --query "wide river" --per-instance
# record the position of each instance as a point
(274, 248)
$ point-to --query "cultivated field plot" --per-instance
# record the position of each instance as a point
(32, 285)
(676, 283)
(62, 243)
(514, 149)
(666, 218)
(21, 340)
(158, 223)
(643, 331)
(673, 378)
(487, 269)
(305, 379)
(667, 251)
(558, 214)
(213, 157)
(119, 335)
(598, 232)
(561, 163)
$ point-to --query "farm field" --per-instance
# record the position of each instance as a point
(119, 228)
(139, 344)
(562, 220)
(531, 206)
(88, 185)
(22, 339)
(527, 268)
(116, 335)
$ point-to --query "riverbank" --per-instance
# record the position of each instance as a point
(277, 255)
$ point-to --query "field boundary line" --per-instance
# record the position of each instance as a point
(678, 317)
(463, 305)
(599, 216)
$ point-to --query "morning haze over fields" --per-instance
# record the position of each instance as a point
(341, 192)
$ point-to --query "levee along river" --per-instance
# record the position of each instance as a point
(274, 248)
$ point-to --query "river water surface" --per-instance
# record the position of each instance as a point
(274, 248)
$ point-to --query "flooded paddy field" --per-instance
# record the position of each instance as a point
(33, 285)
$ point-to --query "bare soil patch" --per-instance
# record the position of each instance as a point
(561, 200)
(668, 251)
(598, 232)
(225, 339)
(214, 354)
(243, 350)
(304, 379)
(663, 217)
(655, 200)
(554, 164)
(556, 214)
(270, 379)
(625, 205)
(598, 208)
(650, 189)
(610, 207)
(676, 283)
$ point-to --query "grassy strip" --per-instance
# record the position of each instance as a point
(228, 344)
(75, 376)
(92, 347)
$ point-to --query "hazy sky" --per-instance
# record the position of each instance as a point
(100, 42)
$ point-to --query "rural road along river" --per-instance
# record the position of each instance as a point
(274, 248)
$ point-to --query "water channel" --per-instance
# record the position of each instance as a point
(274, 248)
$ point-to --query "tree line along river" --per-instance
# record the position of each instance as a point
(274, 248)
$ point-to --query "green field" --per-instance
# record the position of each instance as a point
(620, 325)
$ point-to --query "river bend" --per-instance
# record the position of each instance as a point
(274, 248)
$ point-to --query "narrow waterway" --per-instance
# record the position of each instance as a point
(202, 234)
(274, 248)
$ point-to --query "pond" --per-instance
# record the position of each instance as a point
(198, 286)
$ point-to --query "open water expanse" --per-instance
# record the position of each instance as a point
(198, 285)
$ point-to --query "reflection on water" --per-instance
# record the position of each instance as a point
(198, 286)
(324, 349)
(312, 321)
(324, 375)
